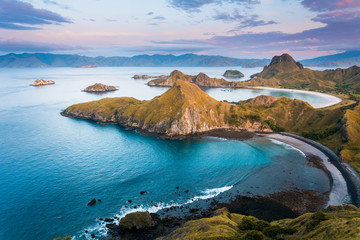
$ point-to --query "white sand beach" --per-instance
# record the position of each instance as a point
(332, 100)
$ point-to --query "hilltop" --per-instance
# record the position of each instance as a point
(285, 72)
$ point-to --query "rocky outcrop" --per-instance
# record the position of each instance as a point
(137, 220)
(202, 80)
(148, 76)
(233, 74)
(99, 88)
(42, 82)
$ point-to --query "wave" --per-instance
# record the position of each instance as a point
(100, 230)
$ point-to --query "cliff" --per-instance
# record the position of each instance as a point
(183, 110)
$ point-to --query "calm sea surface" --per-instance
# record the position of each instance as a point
(52, 166)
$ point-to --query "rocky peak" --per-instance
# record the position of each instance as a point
(285, 58)
(176, 74)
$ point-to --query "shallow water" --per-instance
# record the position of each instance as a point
(51, 166)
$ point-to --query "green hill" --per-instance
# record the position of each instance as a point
(285, 72)
(202, 80)
(335, 222)
(186, 110)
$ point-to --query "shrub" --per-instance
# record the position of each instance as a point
(274, 231)
(253, 235)
(251, 224)
(315, 220)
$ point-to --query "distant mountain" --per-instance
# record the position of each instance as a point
(345, 59)
(27, 60)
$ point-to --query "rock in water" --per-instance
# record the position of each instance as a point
(92, 202)
(233, 74)
(42, 82)
(137, 220)
(98, 88)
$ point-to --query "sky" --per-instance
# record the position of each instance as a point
(234, 28)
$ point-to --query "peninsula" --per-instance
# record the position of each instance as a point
(148, 76)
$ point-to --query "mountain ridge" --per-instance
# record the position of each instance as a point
(28, 60)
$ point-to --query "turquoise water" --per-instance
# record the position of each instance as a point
(51, 166)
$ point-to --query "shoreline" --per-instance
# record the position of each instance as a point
(341, 191)
(284, 204)
(332, 100)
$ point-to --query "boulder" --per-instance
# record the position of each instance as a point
(137, 221)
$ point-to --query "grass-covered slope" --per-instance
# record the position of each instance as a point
(335, 222)
(351, 151)
(183, 109)
(284, 71)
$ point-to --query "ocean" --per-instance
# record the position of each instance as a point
(52, 166)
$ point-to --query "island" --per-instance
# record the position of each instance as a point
(233, 74)
(148, 76)
(42, 82)
(99, 88)
(202, 80)
(185, 110)
(86, 66)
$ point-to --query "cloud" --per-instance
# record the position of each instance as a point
(50, 2)
(194, 5)
(159, 18)
(150, 13)
(244, 20)
(330, 5)
(19, 15)
(14, 45)
(111, 20)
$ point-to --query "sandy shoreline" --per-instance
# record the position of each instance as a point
(332, 100)
(279, 205)
(339, 193)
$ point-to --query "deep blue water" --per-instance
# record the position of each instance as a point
(51, 166)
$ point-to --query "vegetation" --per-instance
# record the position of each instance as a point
(98, 87)
(233, 73)
(185, 109)
(336, 222)
(285, 72)
(201, 80)
(66, 238)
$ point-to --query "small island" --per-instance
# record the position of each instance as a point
(86, 66)
(148, 76)
(99, 88)
(42, 82)
(233, 74)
